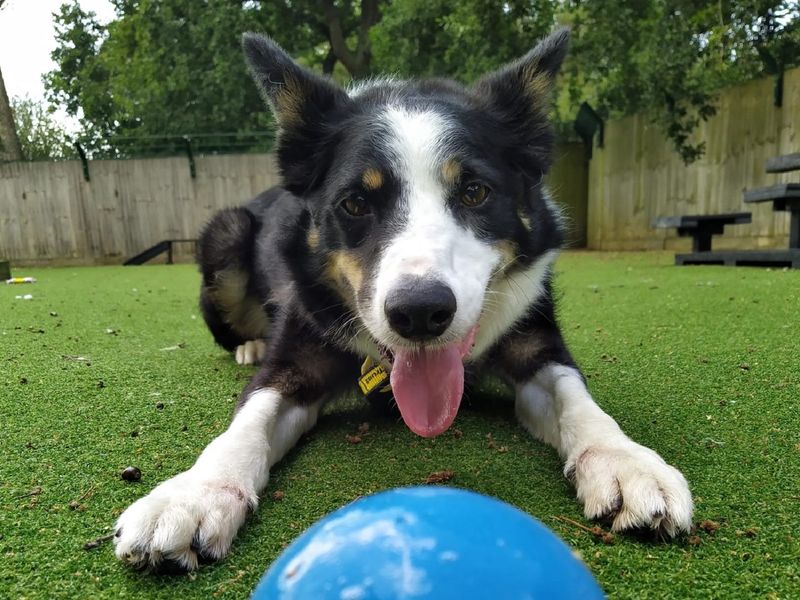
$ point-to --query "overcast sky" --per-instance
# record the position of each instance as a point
(27, 37)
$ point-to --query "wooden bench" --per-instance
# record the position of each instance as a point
(784, 196)
(701, 227)
(155, 250)
(784, 164)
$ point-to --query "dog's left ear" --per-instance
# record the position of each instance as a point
(302, 102)
(520, 93)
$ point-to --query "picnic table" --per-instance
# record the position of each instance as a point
(702, 227)
(784, 197)
(784, 164)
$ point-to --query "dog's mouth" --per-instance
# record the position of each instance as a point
(428, 382)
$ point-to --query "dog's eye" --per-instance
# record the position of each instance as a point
(356, 206)
(474, 194)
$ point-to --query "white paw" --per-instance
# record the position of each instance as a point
(631, 486)
(183, 521)
(251, 352)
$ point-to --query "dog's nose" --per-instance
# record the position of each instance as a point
(419, 308)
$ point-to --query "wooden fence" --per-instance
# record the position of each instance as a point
(568, 182)
(637, 175)
(50, 215)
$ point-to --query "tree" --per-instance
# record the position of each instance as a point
(9, 142)
(40, 136)
(669, 58)
(340, 25)
(160, 68)
(175, 67)
(458, 38)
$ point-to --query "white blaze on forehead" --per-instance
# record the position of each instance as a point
(418, 143)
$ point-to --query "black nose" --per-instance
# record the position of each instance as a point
(420, 309)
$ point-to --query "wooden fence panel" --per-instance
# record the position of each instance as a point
(50, 215)
(637, 176)
(568, 183)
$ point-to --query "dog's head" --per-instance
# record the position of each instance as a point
(427, 208)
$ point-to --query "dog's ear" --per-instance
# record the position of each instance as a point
(295, 94)
(302, 103)
(520, 92)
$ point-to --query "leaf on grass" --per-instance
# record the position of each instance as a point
(175, 347)
(440, 476)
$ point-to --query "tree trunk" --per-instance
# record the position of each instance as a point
(9, 142)
(357, 62)
(329, 63)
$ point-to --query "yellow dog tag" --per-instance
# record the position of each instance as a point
(374, 377)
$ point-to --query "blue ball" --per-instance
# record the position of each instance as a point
(427, 542)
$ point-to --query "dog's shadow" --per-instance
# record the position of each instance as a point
(487, 397)
(376, 423)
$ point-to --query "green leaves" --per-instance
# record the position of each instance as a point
(174, 67)
(668, 59)
(40, 136)
(455, 38)
(161, 68)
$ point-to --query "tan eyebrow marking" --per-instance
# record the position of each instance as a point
(451, 171)
(372, 179)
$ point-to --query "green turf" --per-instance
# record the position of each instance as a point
(700, 363)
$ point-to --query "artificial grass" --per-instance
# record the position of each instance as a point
(109, 366)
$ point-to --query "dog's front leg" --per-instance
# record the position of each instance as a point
(195, 515)
(615, 478)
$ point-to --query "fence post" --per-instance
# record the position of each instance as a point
(84, 162)
(190, 156)
(777, 98)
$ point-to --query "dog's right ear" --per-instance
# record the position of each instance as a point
(295, 94)
(302, 103)
(519, 94)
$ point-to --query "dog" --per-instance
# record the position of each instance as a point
(412, 229)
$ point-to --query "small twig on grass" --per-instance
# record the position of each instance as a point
(96, 542)
(87, 492)
(177, 346)
(575, 523)
(74, 357)
(34, 492)
(605, 536)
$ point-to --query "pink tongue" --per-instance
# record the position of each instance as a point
(428, 385)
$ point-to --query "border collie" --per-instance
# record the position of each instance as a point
(412, 229)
